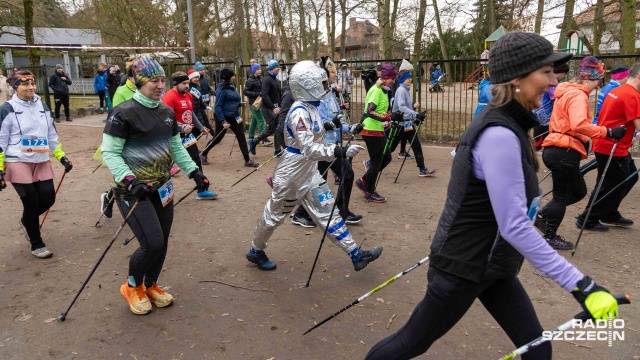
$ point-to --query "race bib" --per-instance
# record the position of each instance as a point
(239, 119)
(34, 144)
(408, 126)
(166, 192)
(205, 97)
(195, 92)
(326, 199)
(533, 208)
(189, 140)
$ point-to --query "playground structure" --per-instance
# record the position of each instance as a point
(481, 71)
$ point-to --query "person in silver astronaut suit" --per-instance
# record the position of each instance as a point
(296, 179)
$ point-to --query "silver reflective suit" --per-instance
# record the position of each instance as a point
(296, 180)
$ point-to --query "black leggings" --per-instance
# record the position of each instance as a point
(36, 199)
(447, 299)
(271, 123)
(194, 153)
(416, 147)
(619, 169)
(375, 147)
(151, 224)
(237, 129)
(568, 185)
(61, 100)
(101, 96)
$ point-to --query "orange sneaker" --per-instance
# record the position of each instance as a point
(137, 299)
(158, 296)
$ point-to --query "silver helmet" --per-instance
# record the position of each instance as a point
(308, 82)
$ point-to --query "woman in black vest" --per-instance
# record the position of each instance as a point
(485, 230)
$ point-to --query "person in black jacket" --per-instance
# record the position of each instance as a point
(199, 107)
(485, 230)
(270, 93)
(207, 93)
(253, 89)
(113, 80)
(59, 82)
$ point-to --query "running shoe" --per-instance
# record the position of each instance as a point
(159, 297)
(204, 160)
(591, 227)
(269, 182)
(360, 184)
(405, 155)
(621, 222)
(303, 221)
(251, 164)
(374, 197)
(139, 303)
(259, 258)
(42, 253)
(363, 258)
(559, 243)
(351, 218)
(106, 207)
(367, 164)
(266, 142)
(426, 173)
(206, 195)
(174, 170)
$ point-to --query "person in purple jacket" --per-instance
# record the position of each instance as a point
(485, 230)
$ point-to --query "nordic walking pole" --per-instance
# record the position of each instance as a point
(387, 146)
(128, 240)
(63, 315)
(621, 298)
(408, 152)
(232, 145)
(97, 167)
(210, 144)
(543, 134)
(333, 209)
(58, 188)
(595, 195)
(361, 298)
(258, 168)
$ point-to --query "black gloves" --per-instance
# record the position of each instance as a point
(328, 126)
(419, 118)
(397, 117)
(3, 184)
(335, 123)
(66, 163)
(138, 189)
(617, 132)
(356, 129)
(347, 151)
(202, 183)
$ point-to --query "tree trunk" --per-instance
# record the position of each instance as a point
(443, 47)
(217, 22)
(539, 13)
(491, 12)
(303, 32)
(327, 21)
(332, 34)
(384, 12)
(343, 29)
(283, 34)
(258, 48)
(628, 28)
(34, 54)
(248, 33)
(241, 32)
(417, 45)
(566, 21)
(598, 27)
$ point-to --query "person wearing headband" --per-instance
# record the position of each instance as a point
(619, 76)
(27, 136)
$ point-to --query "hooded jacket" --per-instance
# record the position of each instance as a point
(100, 81)
(253, 88)
(270, 91)
(484, 95)
(227, 102)
(59, 86)
(570, 125)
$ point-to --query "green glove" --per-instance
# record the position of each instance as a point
(595, 299)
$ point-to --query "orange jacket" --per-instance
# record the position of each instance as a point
(571, 125)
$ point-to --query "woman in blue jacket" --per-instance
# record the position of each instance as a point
(100, 86)
(227, 115)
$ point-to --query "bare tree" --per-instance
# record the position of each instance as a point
(566, 21)
(628, 27)
(34, 55)
(539, 15)
(443, 46)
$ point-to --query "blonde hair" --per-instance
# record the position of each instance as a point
(502, 95)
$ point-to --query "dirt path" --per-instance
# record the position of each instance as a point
(209, 241)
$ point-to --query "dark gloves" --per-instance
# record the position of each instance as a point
(3, 184)
(138, 189)
(328, 126)
(397, 117)
(66, 163)
(617, 132)
(595, 299)
(419, 118)
(356, 129)
(335, 123)
(202, 183)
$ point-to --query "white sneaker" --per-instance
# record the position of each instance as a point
(42, 253)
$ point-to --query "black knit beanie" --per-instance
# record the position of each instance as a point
(519, 53)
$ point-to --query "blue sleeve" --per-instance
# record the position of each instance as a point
(220, 95)
(95, 84)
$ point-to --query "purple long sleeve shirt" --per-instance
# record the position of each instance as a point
(497, 161)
